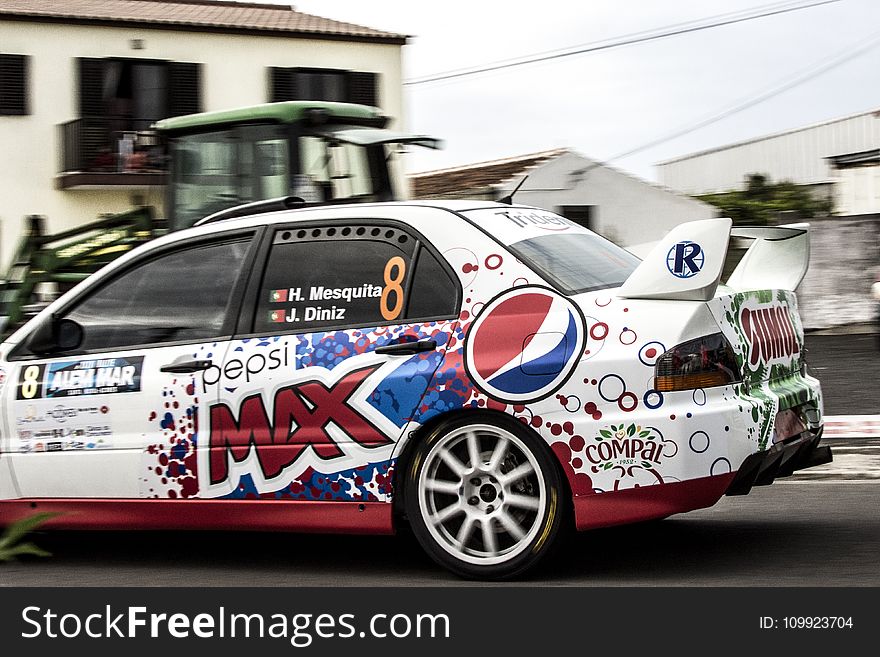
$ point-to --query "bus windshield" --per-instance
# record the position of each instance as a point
(213, 171)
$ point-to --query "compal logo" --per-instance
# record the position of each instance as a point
(524, 344)
(685, 259)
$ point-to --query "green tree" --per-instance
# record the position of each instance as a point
(761, 201)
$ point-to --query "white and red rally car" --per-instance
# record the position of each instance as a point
(487, 372)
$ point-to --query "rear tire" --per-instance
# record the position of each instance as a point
(484, 496)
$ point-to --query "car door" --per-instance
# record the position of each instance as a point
(118, 416)
(350, 322)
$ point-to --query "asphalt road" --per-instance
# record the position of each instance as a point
(820, 529)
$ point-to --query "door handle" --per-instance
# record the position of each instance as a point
(407, 348)
(186, 366)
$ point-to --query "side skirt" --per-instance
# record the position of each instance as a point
(252, 515)
(648, 502)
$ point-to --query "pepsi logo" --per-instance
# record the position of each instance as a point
(524, 344)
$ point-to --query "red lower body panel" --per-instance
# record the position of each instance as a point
(256, 515)
(648, 502)
(591, 511)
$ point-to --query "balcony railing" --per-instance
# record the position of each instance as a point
(110, 145)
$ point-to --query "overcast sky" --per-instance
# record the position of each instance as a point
(606, 103)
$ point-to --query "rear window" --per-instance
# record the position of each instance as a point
(577, 262)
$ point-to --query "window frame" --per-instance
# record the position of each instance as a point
(358, 86)
(252, 297)
(18, 102)
(234, 308)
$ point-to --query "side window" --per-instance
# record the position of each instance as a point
(181, 295)
(433, 293)
(349, 276)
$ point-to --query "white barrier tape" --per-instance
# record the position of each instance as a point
(852, 426)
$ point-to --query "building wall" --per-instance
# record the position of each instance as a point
(627, 210)
(797, 155)
(844, 263)
(857, 190)
(234, 73)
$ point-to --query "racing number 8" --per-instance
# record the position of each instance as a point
(392, 284)
(30, 381)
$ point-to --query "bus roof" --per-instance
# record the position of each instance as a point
(283, 112)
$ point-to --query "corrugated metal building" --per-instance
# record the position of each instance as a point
(805, 156)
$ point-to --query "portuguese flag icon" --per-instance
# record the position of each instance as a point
(278, 296)
(276, 315)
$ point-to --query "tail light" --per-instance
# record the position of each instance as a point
(702, 363)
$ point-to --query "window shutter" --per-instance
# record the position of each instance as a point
(282, 84)
(362, 88)
(184, 88)
(13, 85)
(91, 87)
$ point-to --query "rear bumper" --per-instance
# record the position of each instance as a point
(781, 460)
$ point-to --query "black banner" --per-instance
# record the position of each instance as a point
(465, 620)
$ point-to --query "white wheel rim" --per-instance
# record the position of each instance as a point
(482, 494)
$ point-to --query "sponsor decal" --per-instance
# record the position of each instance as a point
(544, 220)
(63, 413)
(685, 259)
(524, 344)
(80, 377)
(770, 334)
(2, 377)
(299, 418)
(30, 415)
(626, 446)
(236, 371)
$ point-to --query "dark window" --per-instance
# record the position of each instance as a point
(363, 88)
(13, 85)
(433, 293)
(316, 283)
(119, 100)
(182, 295)
(323, 84)
(184, 88)
(582, 215)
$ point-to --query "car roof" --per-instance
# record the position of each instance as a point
(330, 211)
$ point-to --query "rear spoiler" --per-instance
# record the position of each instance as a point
(688, 263)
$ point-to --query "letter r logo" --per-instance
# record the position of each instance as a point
(685, 259)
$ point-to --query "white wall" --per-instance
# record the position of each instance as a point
(797, 155)
(234, 73)
(858, 190)
(629, 211)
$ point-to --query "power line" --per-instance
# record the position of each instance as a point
(720, 20)
(801, 77)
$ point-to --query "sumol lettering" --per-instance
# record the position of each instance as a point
(769, 333)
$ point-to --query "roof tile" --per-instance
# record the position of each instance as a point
(476, 177)
(180, 14)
